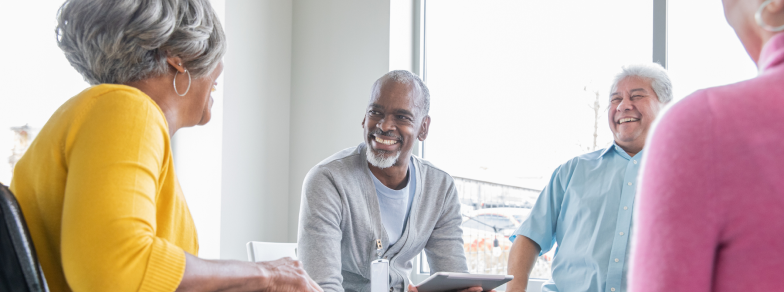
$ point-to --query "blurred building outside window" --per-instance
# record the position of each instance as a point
(23, 136)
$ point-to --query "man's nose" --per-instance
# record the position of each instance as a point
(625, 105)
(386, 124)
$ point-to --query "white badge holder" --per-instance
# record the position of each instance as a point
(379, 272)
(379, 275)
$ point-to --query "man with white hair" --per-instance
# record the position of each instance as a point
(587, 206)
(377, 200)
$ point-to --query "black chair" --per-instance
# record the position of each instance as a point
(20, 270)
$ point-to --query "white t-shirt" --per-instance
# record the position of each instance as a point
(396, 204)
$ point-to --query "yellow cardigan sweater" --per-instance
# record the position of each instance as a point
(100, 196)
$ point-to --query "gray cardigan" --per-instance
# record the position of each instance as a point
(339, 221)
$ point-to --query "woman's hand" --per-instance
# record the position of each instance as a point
(283, 275)
(287, 275)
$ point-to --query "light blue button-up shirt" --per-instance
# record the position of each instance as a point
(587, 209)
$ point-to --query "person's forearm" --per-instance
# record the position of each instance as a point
(283, 274)
(220, 275)
(522, 258)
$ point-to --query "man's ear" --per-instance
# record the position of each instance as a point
(176, 62)
(423, 130)
(363, 122)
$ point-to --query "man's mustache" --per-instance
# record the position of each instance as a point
(378, 132)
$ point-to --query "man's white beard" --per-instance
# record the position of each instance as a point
(379, 160)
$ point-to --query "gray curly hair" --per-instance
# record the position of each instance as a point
(660, 80)
(121, 41)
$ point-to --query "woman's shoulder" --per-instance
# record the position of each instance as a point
(116, 95)
(764, 92)
(115, 112)
(115, 100)
(735, 111)
(702, 105)
(735, 102)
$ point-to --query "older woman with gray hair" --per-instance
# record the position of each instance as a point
(711, 214)
(98, 186)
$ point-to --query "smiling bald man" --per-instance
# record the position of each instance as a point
(379, 191)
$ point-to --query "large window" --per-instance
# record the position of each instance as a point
(704, 50)
(518, 88)
(36, 75)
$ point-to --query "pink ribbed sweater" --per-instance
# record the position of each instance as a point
(711, 199)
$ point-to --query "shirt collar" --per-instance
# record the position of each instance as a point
(772, 53)
(411, 173)
(618, 150)
(611, 147)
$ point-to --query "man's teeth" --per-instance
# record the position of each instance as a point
(385, 142)
(628, 120)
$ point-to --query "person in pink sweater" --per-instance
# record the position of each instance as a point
(711, 197)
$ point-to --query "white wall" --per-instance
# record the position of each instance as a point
(339, 49)
(298, 78)
(256, 125)
(401, 35)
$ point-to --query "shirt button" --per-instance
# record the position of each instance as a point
(621, 233)
(625, 208)
(635, 161)
(612, 289)
(629, 183)
(616, 260)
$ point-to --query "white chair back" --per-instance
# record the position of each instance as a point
(269, 251)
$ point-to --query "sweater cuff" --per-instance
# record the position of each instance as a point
(165, 267)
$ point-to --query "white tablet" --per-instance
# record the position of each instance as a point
(443, 281)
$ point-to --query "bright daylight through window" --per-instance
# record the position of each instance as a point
(518, 88)
(715, 58)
